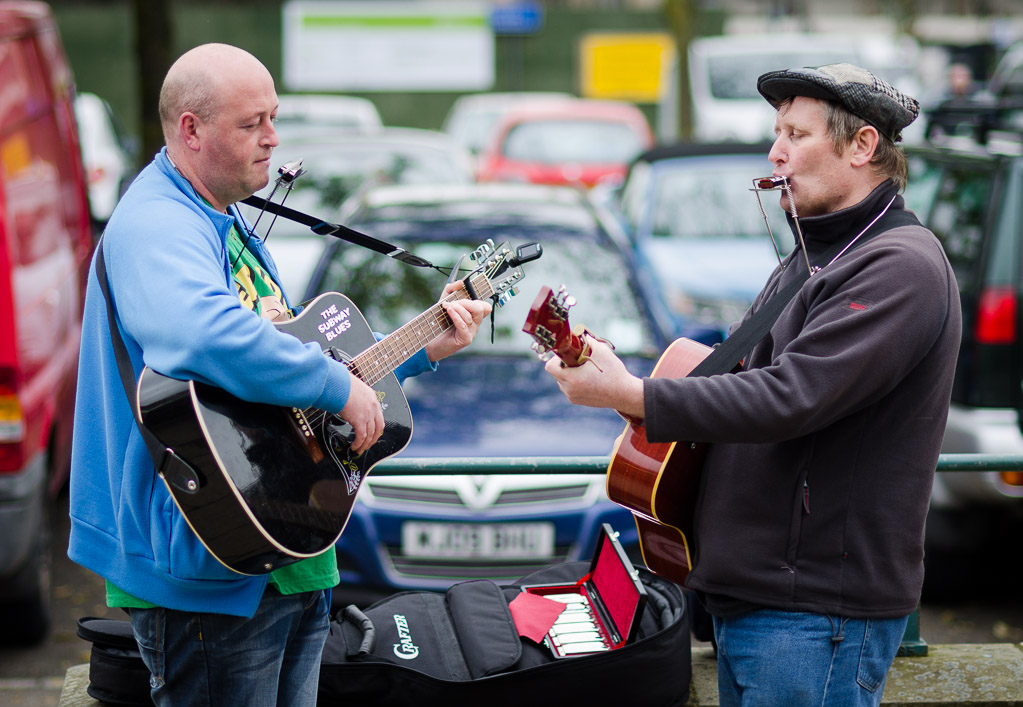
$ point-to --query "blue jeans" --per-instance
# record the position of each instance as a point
(768, 658)
(214, 659)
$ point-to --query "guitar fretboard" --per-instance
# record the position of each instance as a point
(393, 350)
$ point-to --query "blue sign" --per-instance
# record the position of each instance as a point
(523, 17)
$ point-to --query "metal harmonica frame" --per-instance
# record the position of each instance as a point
(773, 183)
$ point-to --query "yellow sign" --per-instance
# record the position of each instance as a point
(625, 66)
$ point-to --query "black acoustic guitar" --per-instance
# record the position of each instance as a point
(263, 486)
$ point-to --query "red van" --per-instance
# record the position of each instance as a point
(45, 245)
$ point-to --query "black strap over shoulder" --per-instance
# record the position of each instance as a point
(324, 228)
(725, 357)
(163, 458)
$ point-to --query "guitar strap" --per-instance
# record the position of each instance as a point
(727, 355)
(173, 468)
(323, 228)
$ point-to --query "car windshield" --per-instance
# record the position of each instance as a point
(568, 140)
(734, 76)
(390, 293)
(709, 200)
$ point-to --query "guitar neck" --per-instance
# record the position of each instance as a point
(393, 350)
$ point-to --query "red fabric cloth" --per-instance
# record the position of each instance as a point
(534, 615)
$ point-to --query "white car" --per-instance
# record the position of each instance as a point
(108, 155)
(723, 72)
(321, 113)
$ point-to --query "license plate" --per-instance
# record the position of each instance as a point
(467, 540)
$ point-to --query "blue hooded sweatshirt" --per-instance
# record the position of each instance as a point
(178, 312)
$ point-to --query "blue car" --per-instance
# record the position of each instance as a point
(698, 231)
(492, 399)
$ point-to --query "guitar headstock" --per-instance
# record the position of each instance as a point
(547, 323)
(499, 270)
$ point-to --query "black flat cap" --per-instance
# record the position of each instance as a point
(859, 91)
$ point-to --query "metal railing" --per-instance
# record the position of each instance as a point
(912, 643)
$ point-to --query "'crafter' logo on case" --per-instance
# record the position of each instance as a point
(405, 649)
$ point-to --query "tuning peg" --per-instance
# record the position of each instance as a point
(483, 250)
(564, 299)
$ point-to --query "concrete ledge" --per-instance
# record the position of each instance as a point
(978, 674)
(76, 682)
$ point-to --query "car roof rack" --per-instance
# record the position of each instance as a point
(993, 123)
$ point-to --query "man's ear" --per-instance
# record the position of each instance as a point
(864, 145)
(189, 127)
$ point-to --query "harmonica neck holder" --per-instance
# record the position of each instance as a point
(773, 183)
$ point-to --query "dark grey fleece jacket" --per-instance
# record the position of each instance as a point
(816, 486)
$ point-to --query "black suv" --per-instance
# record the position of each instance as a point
(968, 189)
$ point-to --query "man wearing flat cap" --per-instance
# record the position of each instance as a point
(809, 520)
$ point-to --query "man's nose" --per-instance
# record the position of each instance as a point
(271, 135)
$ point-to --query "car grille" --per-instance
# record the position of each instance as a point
(474, 568)
(385, 492)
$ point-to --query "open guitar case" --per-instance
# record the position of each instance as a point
(463, 647)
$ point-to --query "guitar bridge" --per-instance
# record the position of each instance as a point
(301, 424)
(299, 418)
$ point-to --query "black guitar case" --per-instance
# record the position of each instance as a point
(461, 647)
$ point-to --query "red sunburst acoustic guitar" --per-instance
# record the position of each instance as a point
(657, 481)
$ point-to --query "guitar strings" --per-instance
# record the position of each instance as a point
(390, 352)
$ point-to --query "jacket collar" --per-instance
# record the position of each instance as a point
(221, 221)
(822, 231)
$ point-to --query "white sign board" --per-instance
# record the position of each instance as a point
(387, 46)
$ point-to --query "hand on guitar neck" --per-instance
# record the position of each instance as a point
(466, 315)
(606, 383)
(363, 410)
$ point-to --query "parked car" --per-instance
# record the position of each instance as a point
(340, 164)
(970, 196)
(323, 113)
(698, 231)
(492, 399)
(473, 117)
(723, 73)
(45, 244)
(580, 142)
(108, 152)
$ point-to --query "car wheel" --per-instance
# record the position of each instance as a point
(26, 616)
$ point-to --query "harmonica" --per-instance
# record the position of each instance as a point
(770, 182)
(587, 647)
(573, 638)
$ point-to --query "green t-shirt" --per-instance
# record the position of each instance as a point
(258, 291)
